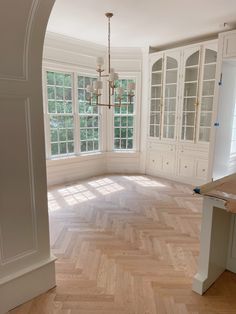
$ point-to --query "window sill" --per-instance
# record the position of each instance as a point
(73, 158)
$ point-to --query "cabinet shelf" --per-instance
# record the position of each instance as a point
(208, 80)
(191, 67)
(190, 82)
(210, 63)
(174, 69)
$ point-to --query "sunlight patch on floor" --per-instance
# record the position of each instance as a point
(100, 182)
(105, 186)
(53, 205)
(111, 188)
(144, 181)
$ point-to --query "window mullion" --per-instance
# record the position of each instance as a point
(46, 117)
(76, 114)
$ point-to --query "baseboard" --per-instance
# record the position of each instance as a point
(201, 283)
(190, 181)
(27, 284)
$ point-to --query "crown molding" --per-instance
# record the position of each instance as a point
(82, 47)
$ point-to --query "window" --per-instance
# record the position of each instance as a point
(73, 127)
(60, 111)
(89, 117)
(73, 124)
(124, 120)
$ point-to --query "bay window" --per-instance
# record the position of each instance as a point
(73, 123)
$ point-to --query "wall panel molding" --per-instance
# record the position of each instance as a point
(16, 101)
(25, 55)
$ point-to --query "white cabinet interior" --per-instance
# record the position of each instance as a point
(207, 95)
(182, 84)
(164, 93)
(190, 95)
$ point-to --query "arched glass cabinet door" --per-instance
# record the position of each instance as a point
(170, 97)
(156, 98)
(207, 94)
(190, 96)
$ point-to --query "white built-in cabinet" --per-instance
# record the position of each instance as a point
(182, 85)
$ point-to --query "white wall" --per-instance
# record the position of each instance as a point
(69, 53)
(223, 133)
(26, 267)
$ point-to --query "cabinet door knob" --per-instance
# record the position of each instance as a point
(203, 170)
(167, 163)
(153, 160)
(185, 166)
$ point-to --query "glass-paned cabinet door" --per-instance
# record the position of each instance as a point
(170, 95)
(156, 97)
(207, 94)
(190, 93)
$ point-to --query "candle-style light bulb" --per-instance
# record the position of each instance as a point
(116, 76)
(120, 91)
(100, 62)
(97, 84)
(89, 88)
(131, 86)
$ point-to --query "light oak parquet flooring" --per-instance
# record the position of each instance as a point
(127, 245)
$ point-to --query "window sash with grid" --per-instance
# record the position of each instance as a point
(72, 130)
(124, 120)
(89, 117)
(60, 112)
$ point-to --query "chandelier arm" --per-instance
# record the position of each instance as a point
(107, 105)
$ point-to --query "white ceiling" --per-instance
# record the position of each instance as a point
(140, 23)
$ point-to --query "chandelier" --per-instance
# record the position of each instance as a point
(94, 91)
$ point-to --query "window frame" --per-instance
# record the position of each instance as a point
(99, 115)
(106, 116)
(136, 114)
(47, 114)
(75, 72)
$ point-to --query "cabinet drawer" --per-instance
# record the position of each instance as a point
(168, 164)
(186, 167)
(202, 169)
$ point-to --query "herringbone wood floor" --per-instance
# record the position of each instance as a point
(127, 245)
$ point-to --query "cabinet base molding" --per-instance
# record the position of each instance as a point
(191, 181)
(27, 284)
